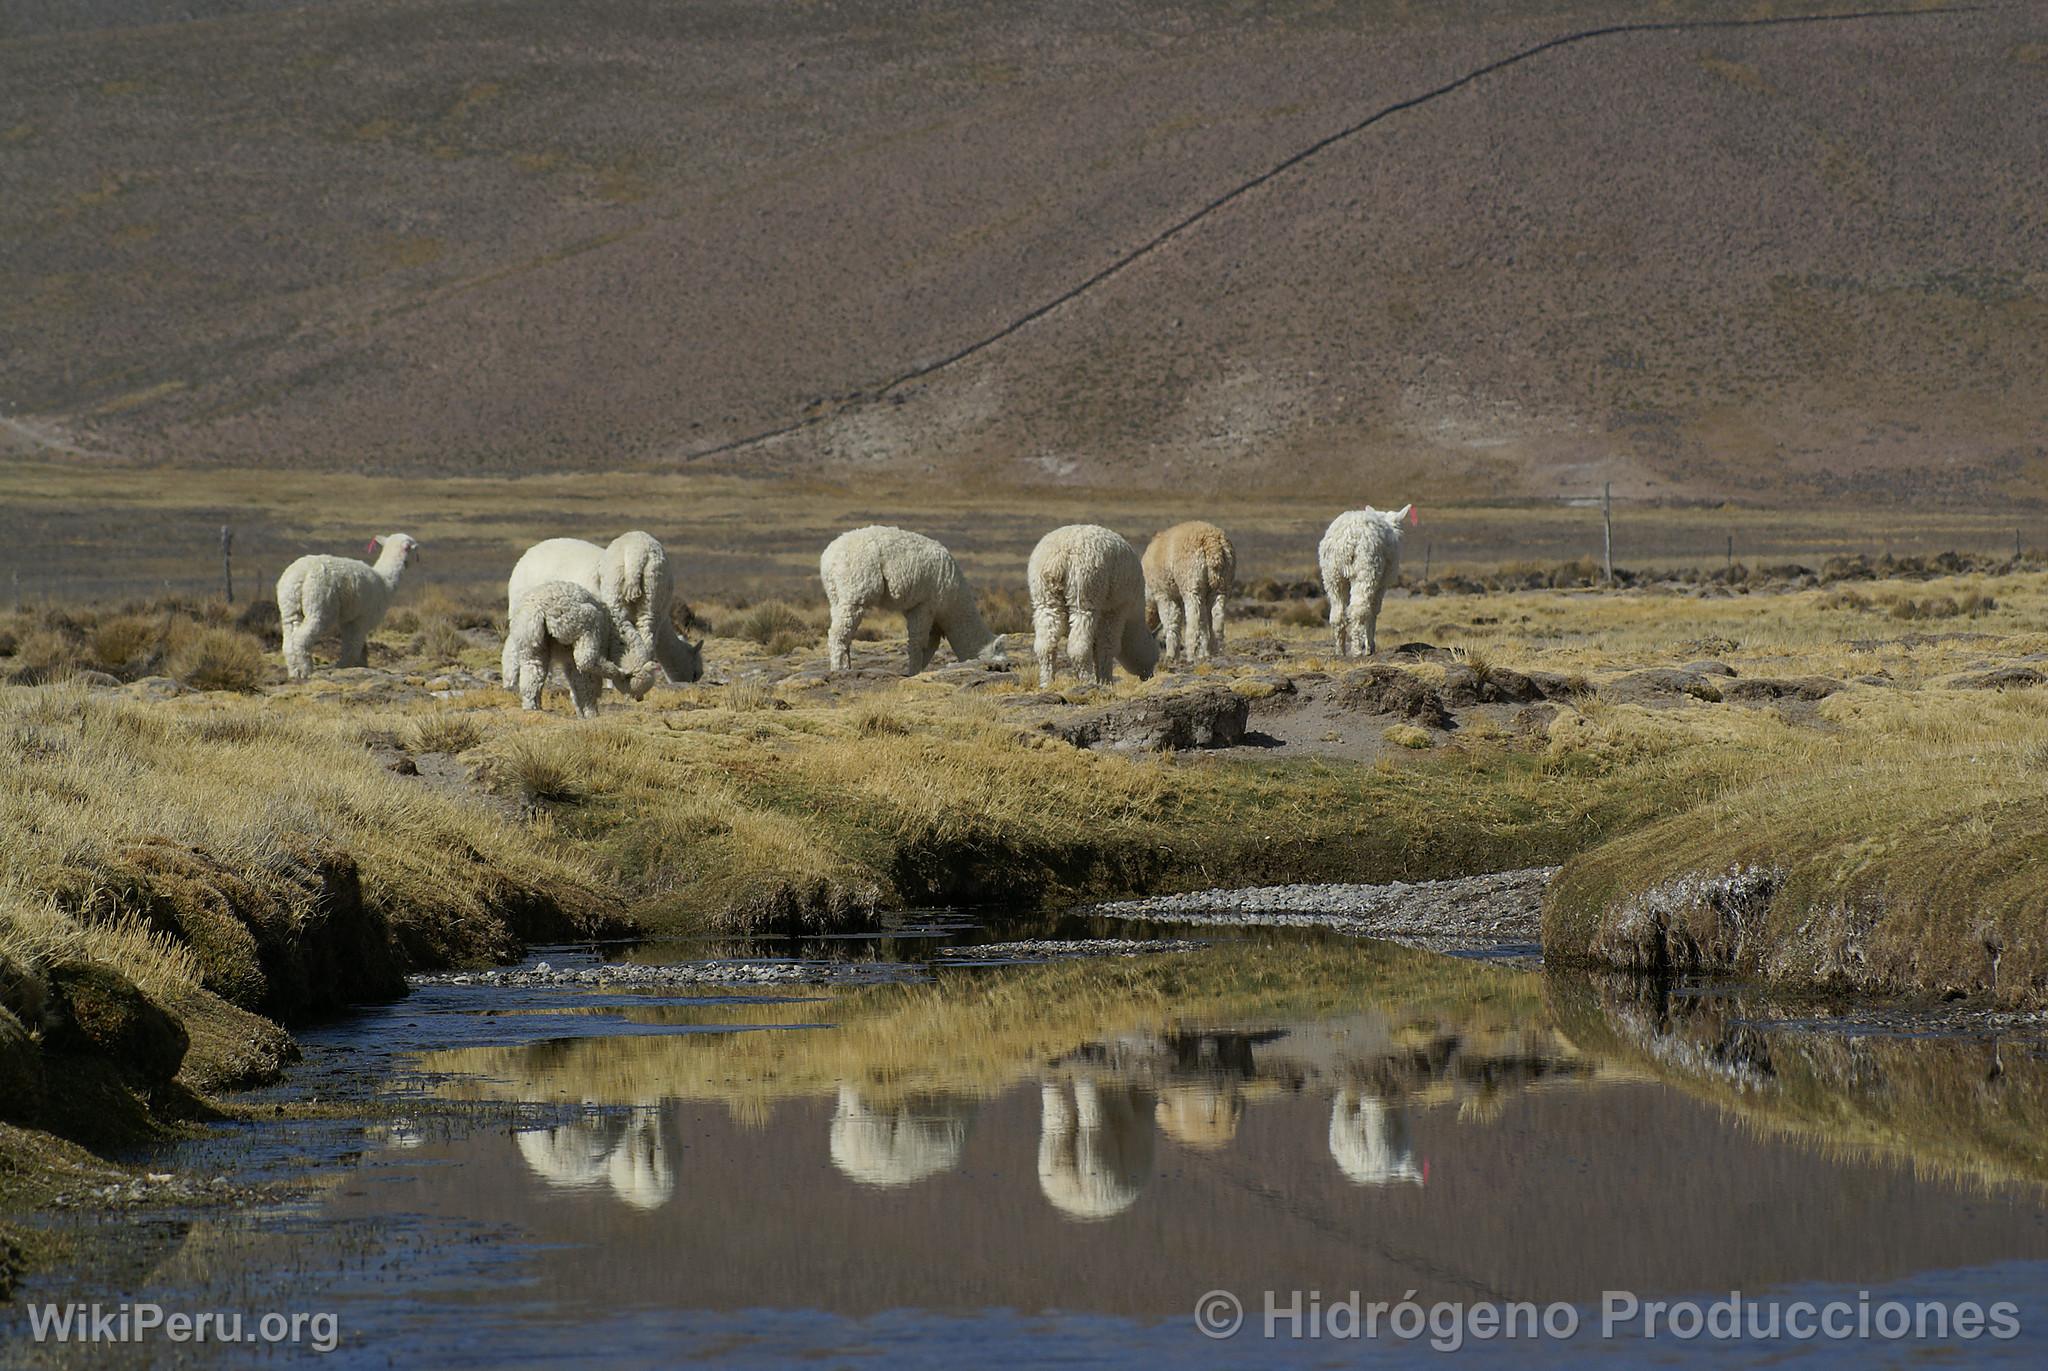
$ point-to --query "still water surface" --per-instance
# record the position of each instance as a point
(1050, 1164)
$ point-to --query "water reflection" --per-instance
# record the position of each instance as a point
(902, 1145)
(623, 1152)
(1370, 1140)
(1118, 1137)
(1094, 1147)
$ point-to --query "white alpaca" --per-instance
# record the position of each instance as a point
(1359, 555)
(1094, 1150)
(901, 1146)
(639, 1170)
(1369, 1141)
(1189, 571)
(1088, 592)
(891, 568)
(318, 595)
(631, 576)
(557, 624)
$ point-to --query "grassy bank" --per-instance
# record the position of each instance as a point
(188, 865)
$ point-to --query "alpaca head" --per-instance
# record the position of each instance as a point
(1397, 519)
(403, 546)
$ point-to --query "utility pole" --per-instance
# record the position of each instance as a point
(227, 561)
(1607, 526)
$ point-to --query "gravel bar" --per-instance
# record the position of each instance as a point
(1048, 949)
(634, 974)
(1468, 914)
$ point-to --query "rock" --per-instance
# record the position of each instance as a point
(1495, 685)
(1390, 690)
(155, 688)
(21, 1072)
(22, 992)
(101, 1013)
(1665, 682)
(1423, 652)
(1207, 716)
(1764, 688)
(2004, 678)
(98, 680)
(404, 766)
(1708, 668)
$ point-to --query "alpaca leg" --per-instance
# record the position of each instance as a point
(1049, 627)
(845, 622)
(1371, 617)
(1340, 619)
(583, 691)
(529, 675)
(298, 643)
(1216, 620)
(1169, 626)
(1109, 634)
(355, 645)
(917, 624)
(1197, 615)
(1084, 649)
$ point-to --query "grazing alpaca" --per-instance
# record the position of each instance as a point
(1359, 555)
(1189, 571)
(1088, 592)
(631, 576)
(891, 568)
(318, 595)
(559, 624)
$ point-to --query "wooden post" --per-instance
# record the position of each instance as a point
(1731, 556)
(227, 561)
(1425, 560)
(1607, 532)
(2016, 545)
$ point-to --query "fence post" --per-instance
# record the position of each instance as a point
(1425, 560)
(1731, 556)
(227, 561)
(1607, 532)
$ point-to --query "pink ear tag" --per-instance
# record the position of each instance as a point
(1414, 517)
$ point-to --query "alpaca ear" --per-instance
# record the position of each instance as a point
(371, 546)
(1406, 515)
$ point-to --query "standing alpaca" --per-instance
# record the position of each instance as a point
(631, 576)
(560, 624)
(891, 568)
(1359, 556)
(1088, 590)
(318, 595)
(1189, 570)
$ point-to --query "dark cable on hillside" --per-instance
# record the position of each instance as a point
(1244, 188)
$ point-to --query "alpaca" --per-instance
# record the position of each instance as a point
(318, 595)
(631, 576)
(1358, 556)
(559, 624)
(1088, 591)
(1095, 1147)
(891, 568)
(911, 1142)
(1189, 571)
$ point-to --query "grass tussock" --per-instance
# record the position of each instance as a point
(217, 659)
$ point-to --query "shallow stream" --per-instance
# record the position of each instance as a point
(959, 1160)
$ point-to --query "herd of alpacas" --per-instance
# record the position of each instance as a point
(601, 614)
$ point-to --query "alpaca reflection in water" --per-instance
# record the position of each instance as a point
(625, 1153)
(1369, 1139)
(1204, 1117)
(902, 1146)
(1094, 1147)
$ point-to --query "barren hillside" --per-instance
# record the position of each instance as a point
(1774, 261)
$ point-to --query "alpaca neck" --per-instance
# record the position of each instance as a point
(390, 565)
